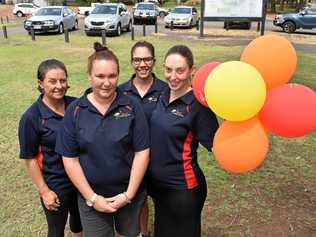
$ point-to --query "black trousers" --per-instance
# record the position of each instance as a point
(178, 212)
(57, 220)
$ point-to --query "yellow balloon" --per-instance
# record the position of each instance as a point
(235, 91)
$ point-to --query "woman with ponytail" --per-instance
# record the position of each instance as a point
(104, 142)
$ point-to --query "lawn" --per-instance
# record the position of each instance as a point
(277, 199)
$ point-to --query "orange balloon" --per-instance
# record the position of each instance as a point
(273, 56)
(240, 146)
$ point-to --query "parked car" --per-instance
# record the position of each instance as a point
(86, 10)
(52, 19)
(112, 17)
(182, 16)
(305, 19)
(24, 9)
(233, 24)
(162, 12)
(146, 13)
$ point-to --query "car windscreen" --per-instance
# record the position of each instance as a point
(146, 7)
(49, 12)
(179, 10)
(104, 10)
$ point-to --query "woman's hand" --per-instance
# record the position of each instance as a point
(118, 201)
(50, 200)
(101, 204)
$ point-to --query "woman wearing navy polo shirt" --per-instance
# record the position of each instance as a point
(37, 137)
(177, 126)
(105, 146)
(146, 88)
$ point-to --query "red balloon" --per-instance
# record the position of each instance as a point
(290, 110)
(199, 79)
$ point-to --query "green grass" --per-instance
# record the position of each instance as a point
(280, 192)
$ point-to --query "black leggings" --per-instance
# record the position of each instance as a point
(57, 220)
(178, 212)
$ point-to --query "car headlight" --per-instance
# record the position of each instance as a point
(28, 23)
(49, 23)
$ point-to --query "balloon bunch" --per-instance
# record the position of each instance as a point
(253, 98)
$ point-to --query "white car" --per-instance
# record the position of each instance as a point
(52, 19)
(112, 17)
(162, 12)
(24, 9)
(182, 16)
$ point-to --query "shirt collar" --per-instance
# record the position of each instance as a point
(45, 111)
(155, 86)
(120, 100)
(187, 98)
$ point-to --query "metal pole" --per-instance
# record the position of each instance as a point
(144, 30)
(7, 19)
(33, 33)
(156, 27)
(202, 18)
(171, 25)
(103, 32)
(1, 20)
(133, 34)
(66, 33)
(5, 34)
(258, 26)
(198, 25)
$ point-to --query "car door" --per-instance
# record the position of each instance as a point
(310, 18)
(122, 16)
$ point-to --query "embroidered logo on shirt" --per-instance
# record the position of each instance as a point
(177, 113)
(121, 114)
(152, 99)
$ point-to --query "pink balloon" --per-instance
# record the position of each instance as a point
(199, 79)
(290, 110)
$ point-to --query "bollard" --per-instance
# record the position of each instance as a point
(133, 34)
(5, 34)
(156, 27)
(66, 33)
(7, 19)
(144, 30)
(171, 25)
(258, 26)
(103, 34)
(1, 20)
(198, 25)
(33, 33)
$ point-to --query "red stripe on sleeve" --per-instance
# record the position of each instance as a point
(187, 166)
(39, 158)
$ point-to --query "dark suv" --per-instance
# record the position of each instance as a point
(305, 19)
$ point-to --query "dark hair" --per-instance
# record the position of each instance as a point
(144, 44)
(48, 65)
(184, 51)
(102, 53)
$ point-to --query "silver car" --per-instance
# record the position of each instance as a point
(146, 13)
(52, 19)
(112, 17)
(182, 16)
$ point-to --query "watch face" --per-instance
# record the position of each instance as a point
(89, 203)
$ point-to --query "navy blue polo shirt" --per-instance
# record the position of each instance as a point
(37, 136)
(105, 144)
(150, 99)
(176, 130)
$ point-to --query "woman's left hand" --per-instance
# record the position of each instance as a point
(117, 201)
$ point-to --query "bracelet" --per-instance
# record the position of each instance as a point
(128, 200)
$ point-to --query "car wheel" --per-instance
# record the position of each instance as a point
(118, 29)
(19, 14)
(61, 28)
(129, 26)
(162, 14)
(76, 27)
(288, 27)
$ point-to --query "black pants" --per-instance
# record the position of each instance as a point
(57, 220)
(178, 212)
